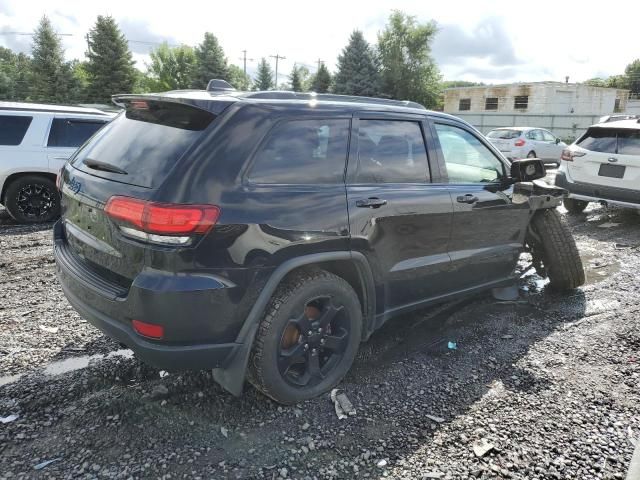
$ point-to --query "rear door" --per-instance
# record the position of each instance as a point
(488, 228)
(398, 217)
(607, 156)
(66, 134)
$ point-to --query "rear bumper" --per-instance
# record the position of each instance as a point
(180, 304)
(597, 193)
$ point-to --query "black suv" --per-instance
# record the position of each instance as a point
(266, 234)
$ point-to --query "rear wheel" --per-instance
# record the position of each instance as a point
(554, 251)
(308, 338)
(574, 206)
(32, 199)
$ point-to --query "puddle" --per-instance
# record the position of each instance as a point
(69, 365)
(77, 363)
(598, 268)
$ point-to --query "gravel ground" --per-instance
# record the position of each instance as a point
(546, 387)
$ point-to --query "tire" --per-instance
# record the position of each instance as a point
(558, 251)
(574, 206)
(32, 199)
(281, 364)
(531, 154)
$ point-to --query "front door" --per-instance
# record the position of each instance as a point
(398, 218)
(488, 228)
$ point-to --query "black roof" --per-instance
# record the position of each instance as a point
(217, 101)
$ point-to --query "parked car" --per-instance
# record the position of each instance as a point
(35, 141)
(266, 234)
(603, 165)
(527, 142)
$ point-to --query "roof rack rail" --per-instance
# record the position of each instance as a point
(330, 97)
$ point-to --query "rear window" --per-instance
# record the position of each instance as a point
(67, 132)
(504, 134)
(13, 129)
(145, 141)
(610, 140)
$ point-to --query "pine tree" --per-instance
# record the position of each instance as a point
(210, 62)
(50, 74)
(110, 67)
(264, 77)
(357, 69)
(321, 81)
(296, 79)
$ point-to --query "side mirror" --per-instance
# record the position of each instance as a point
(557, 141)
(527, 170)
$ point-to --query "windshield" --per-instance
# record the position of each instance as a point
(142, 144)
(504, 134)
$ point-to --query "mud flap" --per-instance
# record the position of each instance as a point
(232, 376)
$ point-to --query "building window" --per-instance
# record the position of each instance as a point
(465, 104)
(491, 103)
(616, 106)
(521, 101)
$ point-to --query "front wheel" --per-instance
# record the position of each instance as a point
(308, 338)
(554, 251)
(32, 199)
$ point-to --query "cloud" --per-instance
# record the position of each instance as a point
(141, 38)
(18, 43)
(489, 41)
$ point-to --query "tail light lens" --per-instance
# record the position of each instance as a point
(568, 155)
(520, 142)
(165, 223)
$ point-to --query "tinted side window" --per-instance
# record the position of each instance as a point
(391, 151)
(71, 133)
(303, 152)
(13, 129)
(629, 142)
(468, 160)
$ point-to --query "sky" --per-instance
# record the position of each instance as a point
(487, 41)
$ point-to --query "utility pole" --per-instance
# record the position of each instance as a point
(244, 60)
(277, 57)
(320, 62)
(88, 44)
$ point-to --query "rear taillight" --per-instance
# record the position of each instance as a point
(165, 223)
(519, 143)
(149, 330)
(568, 155)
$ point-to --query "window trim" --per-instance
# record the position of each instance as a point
(246, 170)
(515, 102)
(443, 164)
(353, 161)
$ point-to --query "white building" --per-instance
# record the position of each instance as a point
(564, 108)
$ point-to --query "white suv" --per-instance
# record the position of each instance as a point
(603, 165)
(35, 142)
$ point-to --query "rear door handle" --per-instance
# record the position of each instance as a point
(468, 198)
(371, 202)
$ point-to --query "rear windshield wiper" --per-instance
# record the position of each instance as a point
(105, 167)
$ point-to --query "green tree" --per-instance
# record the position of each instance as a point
(238, 78)
(296, 79)
(51, 76)
(618, 81)
(210, 62)
(407, 69)
(171, 68)
(15, 71)
(357, 68)
(596, 82)
(264, 76)
(321, 81)
(632, 72)
(110, 66)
